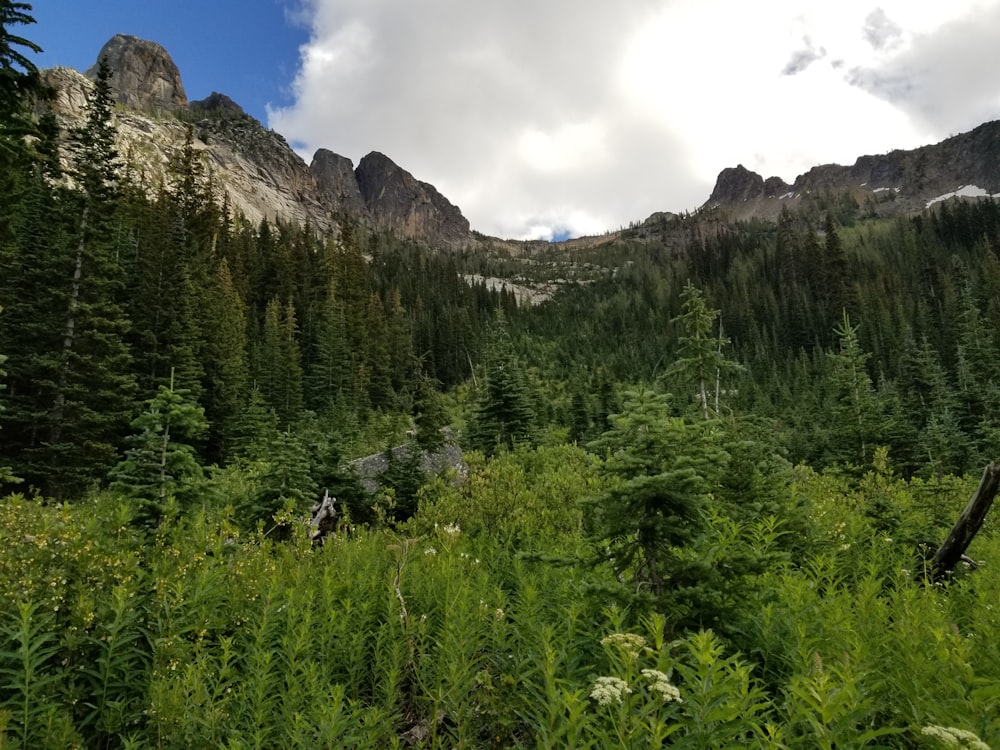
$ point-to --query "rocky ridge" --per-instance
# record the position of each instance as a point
(261, 175)
(885, 184)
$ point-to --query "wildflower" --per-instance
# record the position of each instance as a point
(452, 528)
(430, 551)
(629, 643)
(956, 738)
(608, 690)
(660, 683)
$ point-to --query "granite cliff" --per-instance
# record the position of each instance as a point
(261, 175)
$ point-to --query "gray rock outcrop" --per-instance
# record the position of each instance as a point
(144, 76)
(401, 203)
(335, 179)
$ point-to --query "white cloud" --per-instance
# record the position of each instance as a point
(582, 115)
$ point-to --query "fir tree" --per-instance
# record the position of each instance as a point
(429, 416)
(161, 463)
(660, 469)
(701, 364)
(504, 415)
(856, 409)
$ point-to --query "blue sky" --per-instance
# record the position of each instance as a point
(564, 117)
(246, 49)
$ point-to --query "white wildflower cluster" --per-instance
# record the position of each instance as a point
(452, 528)
(660, 683)
(430, 551)
(628, 643)
(951, 737)
(609, 690)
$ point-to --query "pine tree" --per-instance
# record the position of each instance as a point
(660, 470)
(19, 80)
(701, 364)
(856, 411)
(286, 483)
(226, 367)
(504, 415)
(161, 464)
(429, 415)
(71, 385)
(281, 363)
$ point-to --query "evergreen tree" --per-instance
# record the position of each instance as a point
(18, 81)
(226, 367)
(72, 386)
(429, 416)
(660, 470)
(5, 474)
(701, 364)
(857, 414)
(161, 465)
(504, 415)
(286, 484)
(281, 363)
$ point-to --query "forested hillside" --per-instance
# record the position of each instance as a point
(700, 491)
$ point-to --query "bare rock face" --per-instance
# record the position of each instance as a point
(735, 185)
(217, 104)
(884, 184)
(335, 179)
(398, 201)
(144, 77)
(71, 90)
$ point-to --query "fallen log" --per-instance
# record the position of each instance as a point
(967, 526)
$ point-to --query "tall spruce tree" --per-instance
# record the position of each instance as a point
(94, 387)
(700, 364)
(504, 415)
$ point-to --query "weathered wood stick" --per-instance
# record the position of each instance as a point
(967, 525)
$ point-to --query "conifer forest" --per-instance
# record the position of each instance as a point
(692, 500)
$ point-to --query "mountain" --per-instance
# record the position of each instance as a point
(261, 175)
(965, 165)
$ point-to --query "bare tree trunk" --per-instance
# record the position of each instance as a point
(70, 335)
(967, 525)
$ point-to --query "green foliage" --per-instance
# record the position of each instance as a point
(700, 364)
(286, 488)
(161, 464)
(503, 416)
(661, 469)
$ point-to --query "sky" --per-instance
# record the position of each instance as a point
(555, 118)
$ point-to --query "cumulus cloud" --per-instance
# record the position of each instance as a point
(576, 116)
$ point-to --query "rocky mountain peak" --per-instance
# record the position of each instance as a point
(736, 184)
(218, 104)
(335, 179)
(897, 182)
(401, 203)
(144, 76)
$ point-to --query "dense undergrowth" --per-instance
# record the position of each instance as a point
(488, 621)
